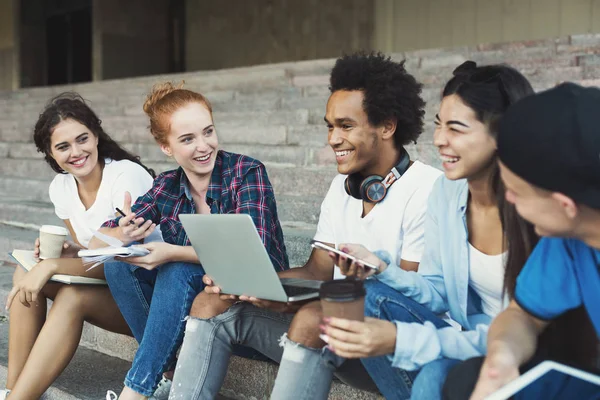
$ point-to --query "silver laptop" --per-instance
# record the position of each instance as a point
(234, 256)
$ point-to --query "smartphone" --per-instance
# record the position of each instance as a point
(323, 246)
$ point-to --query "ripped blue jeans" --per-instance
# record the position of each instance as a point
(155, 305)
(209, 343)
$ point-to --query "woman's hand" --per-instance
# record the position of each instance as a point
(356, 269)
(357, 339)
(70, 249)
(132, 229)
(30, 285)
(160, 253)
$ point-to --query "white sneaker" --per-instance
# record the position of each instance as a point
(163, 390)
(110, 395)
(4, 393)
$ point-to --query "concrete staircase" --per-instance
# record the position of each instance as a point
(271, 112)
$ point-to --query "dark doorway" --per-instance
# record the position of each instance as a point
(176, 35)
(69, 47)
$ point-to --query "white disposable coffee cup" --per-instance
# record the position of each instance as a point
(52, 239)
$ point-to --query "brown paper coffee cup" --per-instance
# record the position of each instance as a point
(343, 298)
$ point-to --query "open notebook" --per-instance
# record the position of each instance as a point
(26, 260)
(94, 257)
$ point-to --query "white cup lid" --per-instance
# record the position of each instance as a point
(53, 229)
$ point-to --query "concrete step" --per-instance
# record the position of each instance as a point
(87, 377)
(286, 179)
(20, 211)
(304, 147)
(267, 76)
(239, 128)
(127, 102)
(89, 374)
(311, 153)
(293, 211)
(12, 237)
(25, 188)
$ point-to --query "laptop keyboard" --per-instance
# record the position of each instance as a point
(292, 291)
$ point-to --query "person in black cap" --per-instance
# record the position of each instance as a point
(549, 151)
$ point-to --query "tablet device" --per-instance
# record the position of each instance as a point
(550, 380)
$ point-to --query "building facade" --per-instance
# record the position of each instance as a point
(47, 42)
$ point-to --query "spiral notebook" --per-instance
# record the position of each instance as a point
(26, 260)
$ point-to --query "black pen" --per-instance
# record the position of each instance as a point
(123, 215)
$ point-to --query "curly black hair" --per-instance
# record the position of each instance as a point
(71, 105)
(389, 92)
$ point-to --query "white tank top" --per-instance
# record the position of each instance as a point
(486, 277)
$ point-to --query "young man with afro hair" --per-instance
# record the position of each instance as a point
(374, 110)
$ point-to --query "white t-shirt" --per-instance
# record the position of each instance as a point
(396, 224)
(118, 177)
(486, 277)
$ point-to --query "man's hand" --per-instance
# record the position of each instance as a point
(356, 269)
(160, 253)
(133, 232)
(356, 339)
(211, 288)
(28, 287)
(500, 367)
(273, 305)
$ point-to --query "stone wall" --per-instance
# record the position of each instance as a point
(403, 25)
(8, 45)
(129, 38)
(224, 34)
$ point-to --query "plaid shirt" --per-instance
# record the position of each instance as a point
(238, 184)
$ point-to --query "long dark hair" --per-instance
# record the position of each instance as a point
(489, 91)
(71, 105)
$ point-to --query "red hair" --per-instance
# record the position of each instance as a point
(163, 101)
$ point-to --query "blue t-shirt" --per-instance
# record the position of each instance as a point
(560, 275)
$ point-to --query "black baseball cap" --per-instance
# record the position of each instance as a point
(552, 140)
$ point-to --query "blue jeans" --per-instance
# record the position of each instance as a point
(159, 300)
(385, 303)
(209, 343)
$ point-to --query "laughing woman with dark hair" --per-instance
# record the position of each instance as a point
(93, 175)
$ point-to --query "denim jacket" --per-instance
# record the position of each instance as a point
(442, 285)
